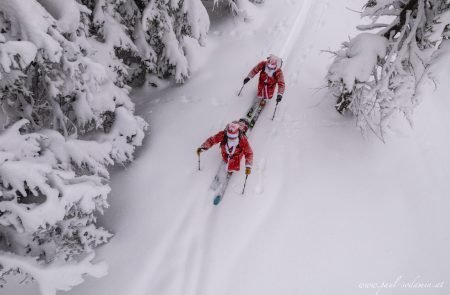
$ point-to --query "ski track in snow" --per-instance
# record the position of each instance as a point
(280, 127)
(294, 34)
(260, 169)
(299, 24)
(197, 223)
(193, 281)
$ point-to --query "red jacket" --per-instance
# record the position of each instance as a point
(265, 80)
(234, 160)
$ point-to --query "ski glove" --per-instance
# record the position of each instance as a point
(248, 170)
(279, 97)
(200, 150)
(246, 80)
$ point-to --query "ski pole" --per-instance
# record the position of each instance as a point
(275, 111)
(245, 183)
(241, 89)
(198, 162)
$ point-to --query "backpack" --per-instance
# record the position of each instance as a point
(242, 131)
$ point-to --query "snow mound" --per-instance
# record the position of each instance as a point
(56, 276)
(65, 12)
(358, 58)
(32, 22)
(24, 51)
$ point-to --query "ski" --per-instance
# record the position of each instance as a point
(255, 111)
(252, 109)
(220, 183)
(256, 116)
(218, 177)
(222, 189)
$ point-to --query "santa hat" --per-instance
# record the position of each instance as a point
(233, 130)
(273, 62)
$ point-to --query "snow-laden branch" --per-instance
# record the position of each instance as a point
(55, 276)
(370, 27)
(378, 90)
(47, 210)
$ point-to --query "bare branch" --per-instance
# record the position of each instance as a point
(329, 51)
(353, 10)
(371, 27)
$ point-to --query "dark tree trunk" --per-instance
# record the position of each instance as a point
(412, 5)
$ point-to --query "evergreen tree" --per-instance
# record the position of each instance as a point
(237, 7)
(151, 37)
(66, 115)
(376, 74)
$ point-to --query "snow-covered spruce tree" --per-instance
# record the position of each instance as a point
(154, 37)
(238, 7)
(47, 208)
(65, 116)
(171, 29)
(376, 74)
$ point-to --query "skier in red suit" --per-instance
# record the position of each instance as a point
(270, 75)
(233, 145)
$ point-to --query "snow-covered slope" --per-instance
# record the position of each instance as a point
(325, 209)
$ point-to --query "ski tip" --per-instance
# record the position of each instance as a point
(217, 200)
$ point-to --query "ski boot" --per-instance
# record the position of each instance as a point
(250, 113)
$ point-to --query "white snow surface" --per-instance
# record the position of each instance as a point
(31, 21)
(357, 61)
(325, 209)
(17, 54)
(66, 12)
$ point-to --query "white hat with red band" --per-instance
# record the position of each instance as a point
(233, 130)
(273, 62)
